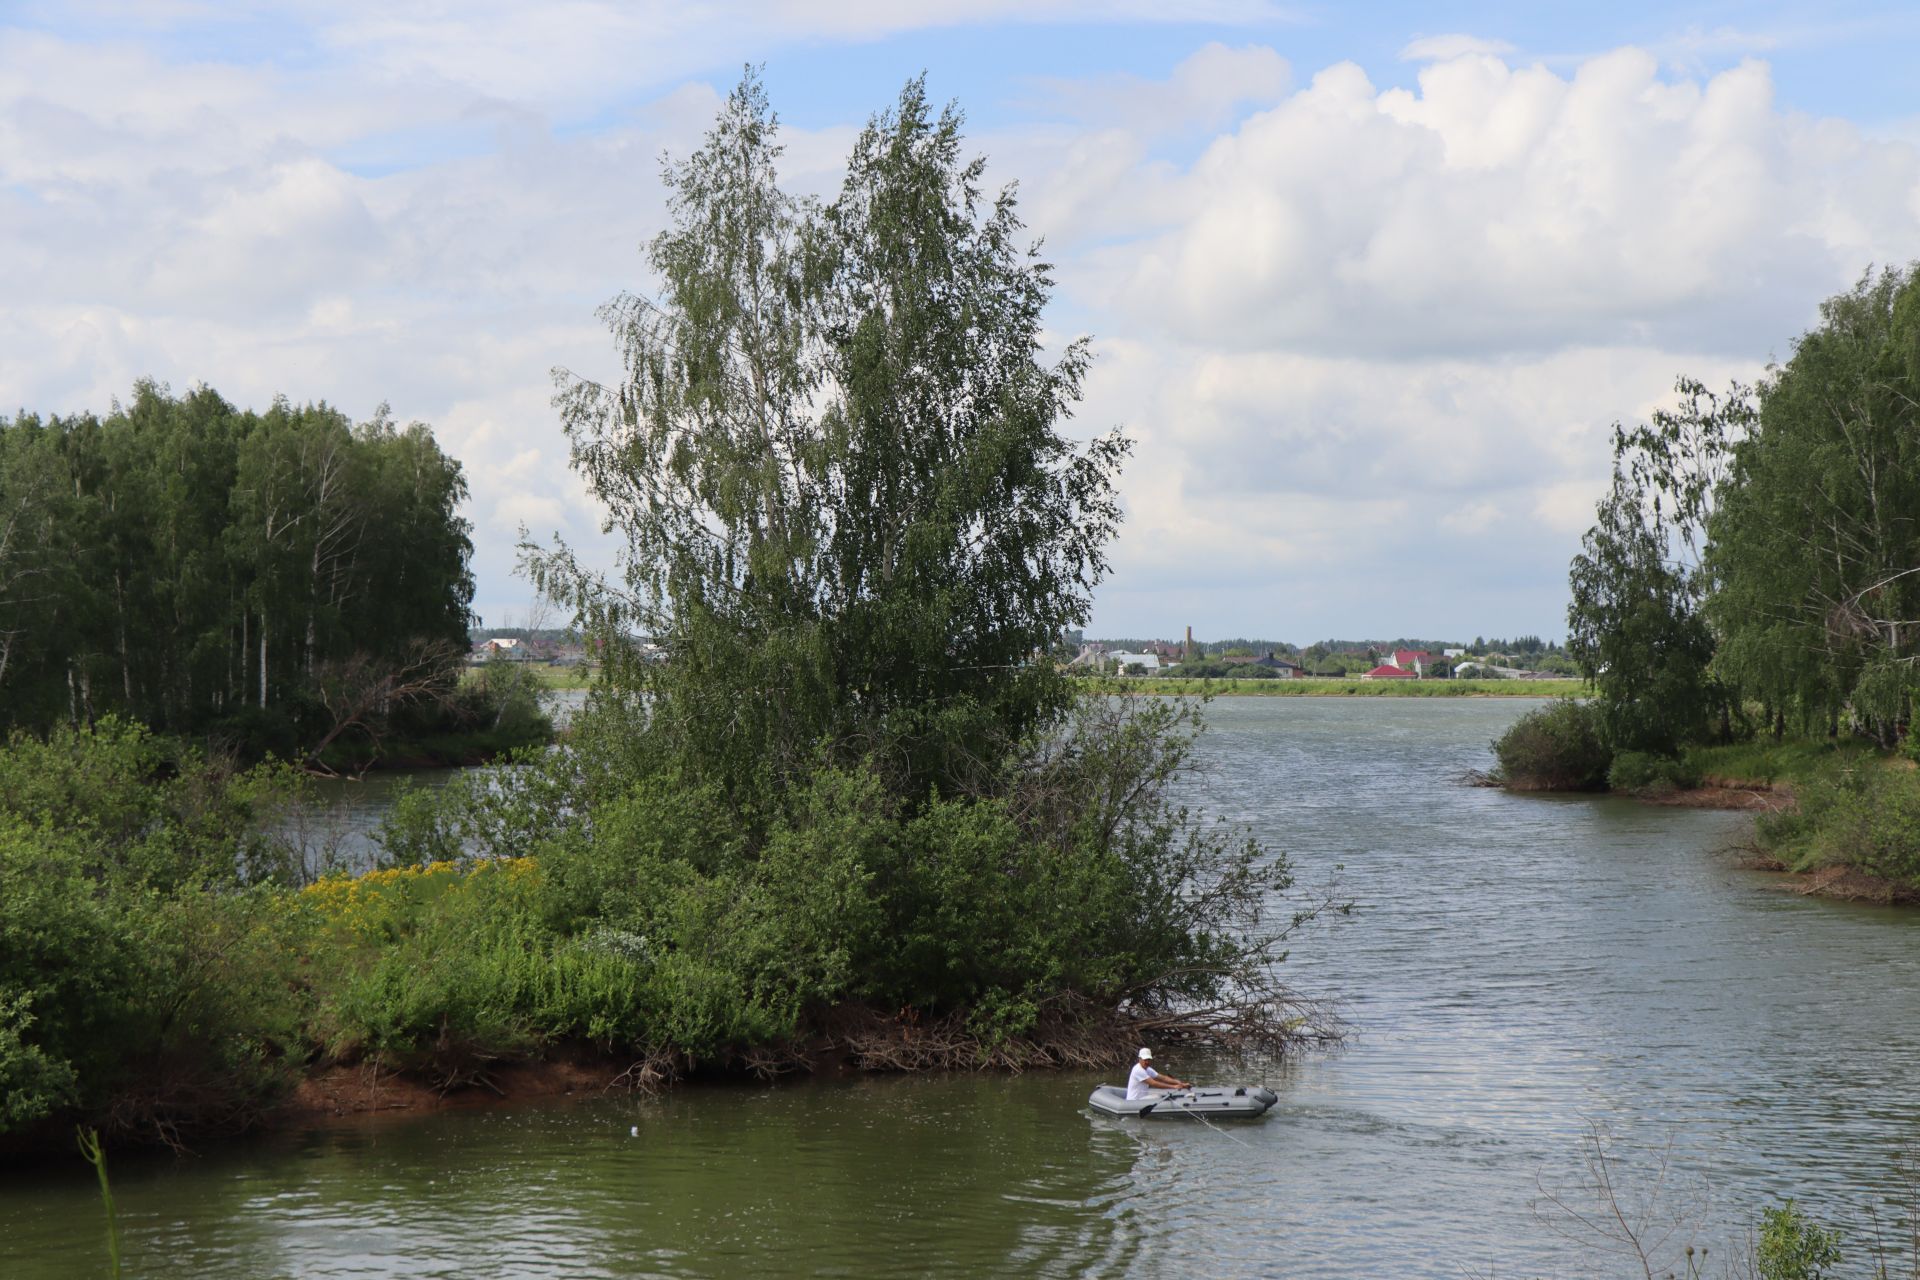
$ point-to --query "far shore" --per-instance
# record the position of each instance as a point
(1323, 687)
(582, 677)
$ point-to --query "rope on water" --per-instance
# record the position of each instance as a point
(1216, 1128)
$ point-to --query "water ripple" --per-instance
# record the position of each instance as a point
(1519, 968)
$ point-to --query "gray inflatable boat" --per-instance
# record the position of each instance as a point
(1235, 1101)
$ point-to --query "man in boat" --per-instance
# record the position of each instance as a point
(1143, 1079)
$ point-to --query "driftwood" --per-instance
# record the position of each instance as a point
(649, 1073)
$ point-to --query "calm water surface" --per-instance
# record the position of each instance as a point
(339, 829)
(1519, 969)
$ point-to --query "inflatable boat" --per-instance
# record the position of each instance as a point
(1238, 1101)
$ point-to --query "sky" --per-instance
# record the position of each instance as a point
(1368, 285)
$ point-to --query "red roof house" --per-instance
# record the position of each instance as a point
(1384, 672)
(1407, 657)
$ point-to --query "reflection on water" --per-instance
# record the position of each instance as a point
(861, 1179)
(1519, 966)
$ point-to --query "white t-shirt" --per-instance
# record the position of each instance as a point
(1137, 1081)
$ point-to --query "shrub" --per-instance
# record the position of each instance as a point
(1795, 1247)
(1865, 816)
(33, 1083)
(503, 697)
(1558, 747)
(143, 808)
(1643, 773)
(420, 827)
(141, 1009)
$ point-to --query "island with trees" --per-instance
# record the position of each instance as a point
(851, 820)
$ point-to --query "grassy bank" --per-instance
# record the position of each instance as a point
(1838, 811)
(1316, 687)
(1850, 821)
(1763, 762)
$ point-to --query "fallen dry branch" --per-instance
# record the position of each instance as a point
(648, 1074)
(1075, 1036)
(872, 1041)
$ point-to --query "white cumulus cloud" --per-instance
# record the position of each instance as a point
(1368, 340)
(1452, 45)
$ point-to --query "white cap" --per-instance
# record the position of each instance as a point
(1145, 1054)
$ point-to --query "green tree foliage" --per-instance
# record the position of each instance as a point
(192, 565)
(835, 461)
(855, 796)
(1795, 1247)
(142, 977)
(1759, 548)
(1636, 626)
(851, 518)
(1816, 534)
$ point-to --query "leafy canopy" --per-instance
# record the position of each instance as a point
(835, 458)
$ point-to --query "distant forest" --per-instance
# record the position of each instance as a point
(206, 569)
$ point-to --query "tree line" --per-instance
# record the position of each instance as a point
(202, 568)
(1757, 557)
(1754, 566)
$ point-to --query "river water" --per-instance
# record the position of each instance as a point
(1519, 973)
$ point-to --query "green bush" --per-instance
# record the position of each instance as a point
(1643, 773)
(1075, 883)
(1865, 816)
(501, 700)
(143, 808)
(420, 826)
(1559, 747)
(141, 1008)
(1795, 1247)
(33, 1082)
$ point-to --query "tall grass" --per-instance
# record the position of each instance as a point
(90, 1148)
(1763, 762)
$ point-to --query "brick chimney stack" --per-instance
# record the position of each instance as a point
(1189, 653)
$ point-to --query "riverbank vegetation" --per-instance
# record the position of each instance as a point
(1750, 579)
(286, 582)
(852, 821)
(853, 522)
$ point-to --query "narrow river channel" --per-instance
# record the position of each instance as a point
(1518, 970)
